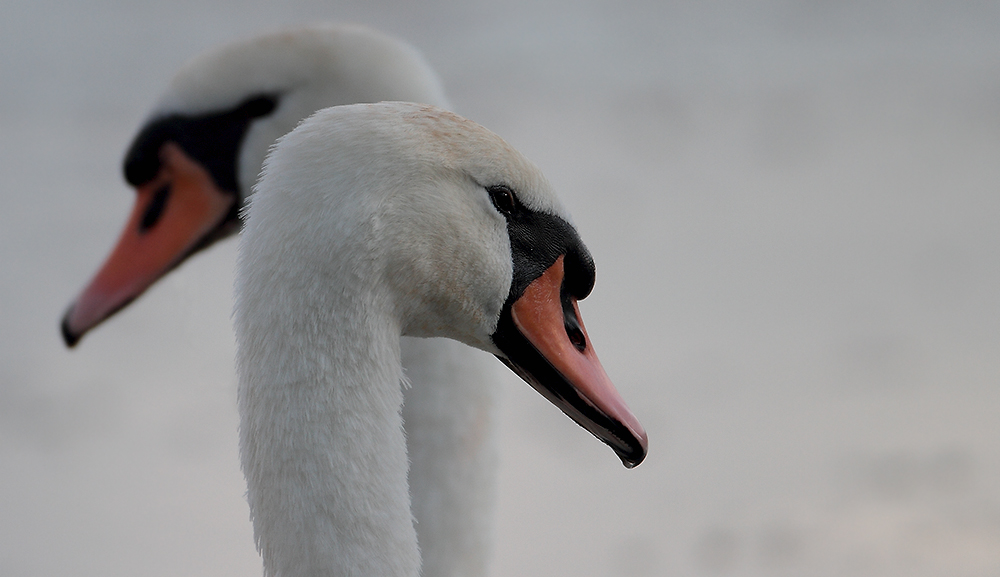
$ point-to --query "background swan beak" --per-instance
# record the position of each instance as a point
(553, 353)
(174, 214)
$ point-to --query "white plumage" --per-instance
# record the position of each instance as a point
(371, 222)
(450, 409)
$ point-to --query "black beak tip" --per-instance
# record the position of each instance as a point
(632, 462)
(69, 337)
(633, 454)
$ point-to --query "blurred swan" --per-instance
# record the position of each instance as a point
(193, 164)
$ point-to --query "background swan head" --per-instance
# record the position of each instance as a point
(435, 227)
(195, 159)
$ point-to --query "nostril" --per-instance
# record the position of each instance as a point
(577, 338)
(571, 319)
(155, 209)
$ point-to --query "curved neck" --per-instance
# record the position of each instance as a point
(321, 437)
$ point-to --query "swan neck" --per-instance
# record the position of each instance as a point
(322, 443)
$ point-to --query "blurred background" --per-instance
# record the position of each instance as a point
(793, 207)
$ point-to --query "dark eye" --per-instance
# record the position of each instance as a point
(259, 106)
(155, 209)
(502, 198)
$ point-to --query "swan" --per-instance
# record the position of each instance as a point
(369, 222)
(193, 164)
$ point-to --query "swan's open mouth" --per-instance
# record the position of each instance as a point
(545, 343)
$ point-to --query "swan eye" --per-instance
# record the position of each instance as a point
(259, 106)
(503, 199)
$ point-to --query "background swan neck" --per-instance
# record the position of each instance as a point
(322, 444)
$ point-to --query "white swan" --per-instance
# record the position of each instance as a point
(370, 222)
(193, 164)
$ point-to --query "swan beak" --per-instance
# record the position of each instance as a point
(555, 356)
(174, 215)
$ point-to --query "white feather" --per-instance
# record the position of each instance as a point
(369, 222)
(450, 410)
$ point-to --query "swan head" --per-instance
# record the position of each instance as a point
(450, 230)
(193, 162)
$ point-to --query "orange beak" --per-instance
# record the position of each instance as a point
(172, 217)
(552, 352)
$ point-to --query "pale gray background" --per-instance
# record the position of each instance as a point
(793, 207)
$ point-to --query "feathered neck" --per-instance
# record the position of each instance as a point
(321, 437)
